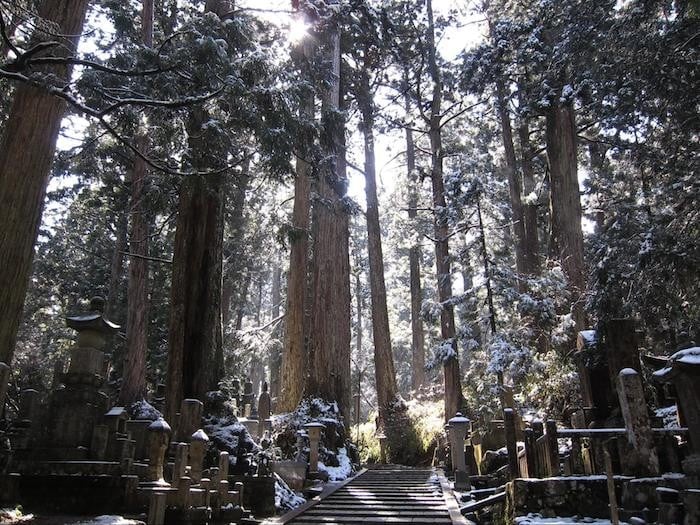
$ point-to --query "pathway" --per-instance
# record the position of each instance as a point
(386, 495)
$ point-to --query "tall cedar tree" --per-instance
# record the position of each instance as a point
(385, 373)
(133, 385)
(196, 334)
(453, 386)
(294, 357)
(329, 351)
(26, 152)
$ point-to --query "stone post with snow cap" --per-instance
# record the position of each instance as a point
(641, 459)
(190, 419)
(198, 447)
(158, 437)
(314, 431)
(457, 430)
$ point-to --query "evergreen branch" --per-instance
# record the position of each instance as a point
(5, 37)
(147, 258)
(98, 66)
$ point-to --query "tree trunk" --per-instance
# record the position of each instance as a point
(116, 267)
(385, 374)
(514, 185)
(531, 247)
(26, 152)
(134, 369)
(329, 349)
(275, 353)
(565, 201)
(294, 358)
(195, 311)
(453, 386)
(414, 256)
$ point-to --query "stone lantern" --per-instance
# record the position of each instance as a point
(77, 404)
(158, 438)
(314, 431)
(458, 430)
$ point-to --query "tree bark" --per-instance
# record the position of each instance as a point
(565, 201)
(195, 311)
(116, 267)
(294, 356)
(530, 208)
(453, 386)
(275, 351)
(133, 386)
(414, 256)
(329, 350)
(385, 373)
(26, 152)
(514, 185)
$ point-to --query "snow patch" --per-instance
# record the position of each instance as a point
(285, 498)
(110, 520)
(342, 471)
(536, 519)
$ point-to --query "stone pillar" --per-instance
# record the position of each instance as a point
(314, 430)
(223, 485)
(180, 463)
(99, 443)
(301, 439)
(382, 447)
(156, 508)
(158, 437)
(29, 404)
(4, 384)
(248, 397)
(458, 430)
(190, 419)
(264, 409)
(198, 447)
(641, 458)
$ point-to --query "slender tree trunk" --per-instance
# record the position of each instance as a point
(329, 351)
(294, 358)
(133, 385)
(359, 330)
(385, 374)
(453, 386)
(414, 256)
(530, 208)
(26, 152)
(275, 351)
(514, 185)
(116, 267)
(565, 201)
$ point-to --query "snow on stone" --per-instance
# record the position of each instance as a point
(285, 498)
(144, 410)
(669, 415)
(110, 520)
(689, 356)
(628, 372)
(536, 519)
(342, 471)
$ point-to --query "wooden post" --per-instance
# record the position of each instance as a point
(552, 448)
(538, 431)
(531, 453)
(614, 514)
(511, 443)
(4, 384)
